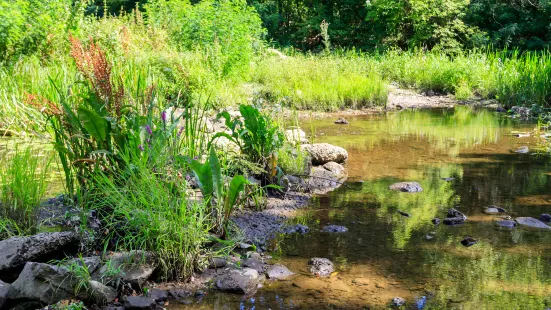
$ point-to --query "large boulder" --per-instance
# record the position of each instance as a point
(135, 267)
(138, 303)
(323, 153)
(4, 289)
(50, 284)
(244, 281)
(16, 251)
(321, 267)
(532, 223)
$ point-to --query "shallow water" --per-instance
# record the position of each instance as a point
(384, 254)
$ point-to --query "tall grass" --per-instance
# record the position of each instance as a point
(23, 182)
(320, 83)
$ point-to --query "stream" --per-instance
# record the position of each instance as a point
(385, 254)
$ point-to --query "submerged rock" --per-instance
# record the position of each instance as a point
(506, 224)
(436, 221)
(455, 217)
(469, 241)
(321, 267)
(16, 251)
(244, 281)
(402, 213)
(409, 187)
(298, 228)
(341, 121)
(278, 272)
(323, 153)
(322, 181)
(334, 229)
(447, 179)
(522, 150)
(532, 223)
(494, 210)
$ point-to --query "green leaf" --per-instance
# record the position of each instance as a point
(237, 185)
(94, 124)
(216, 172)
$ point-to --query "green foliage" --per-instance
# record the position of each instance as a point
(226, 30)
(23, 182)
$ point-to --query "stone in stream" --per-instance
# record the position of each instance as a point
(436, 221)
(298, 228)
(138, 303)
(278, 272)
(398, 302)
(334, 229)
(323, 153)
(337, 169)
(321, 267)
(545, 218)
(506, 224)
(217, 262)
(402, 213)
(447, 179)
(409, 187)
(157, 295)
(469, 241)
(494, 210)
(239, 281)
(532, 223)
(455, 217)
(341, 121)
(522, 150)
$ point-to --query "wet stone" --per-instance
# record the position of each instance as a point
(469, 241)
(398, 302)
(506, 224)
(278, 272)
(545, 218)
(157, 295)
(138, 303)
(341, 121)
(409, 187)
(178, 293)
(494, 210)
(522, 150)
(532, 223)
(447, 179)
(321, 267)
(436, 221)
(402, 213)
(334, 229)
(454, 217)
(299, 229)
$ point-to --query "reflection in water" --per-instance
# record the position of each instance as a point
(385, 254)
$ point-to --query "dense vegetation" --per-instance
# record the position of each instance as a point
(123, 89)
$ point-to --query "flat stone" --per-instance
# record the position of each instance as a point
(532, 223)
(321, 267)
(157, 295)
(409, 187)
(468, 242)
(217, 262)
(334, 229)
(138, 303)
(244, 281)
(16, 251)
(278, 272)
(506, 224)
(494, 210)
(522, 150)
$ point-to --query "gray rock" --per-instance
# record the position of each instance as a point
(93, 263)
(323, 153)
(16, 251)
(296, 136)
(322, 267)
(322, 181)
(341, 121)
(410, 187)
(135, 266)
(178, 293)
(244, 281)
(522, 150)
(468, 242)
(49, 284)
(334, 229)
(532, 223)
(255, 264)
(158, 295)
(298, 228)
(138, 303)
(337, 169)
(494, 210)
(455, 217)
(436, 221)
(545, 218)
(278, 272)
(217, 262)
(398, 302)
(4, 289)
(506, 224)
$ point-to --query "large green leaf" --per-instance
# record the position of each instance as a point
(94, 124)
(203, 174)
(237, 185)
(216, 171)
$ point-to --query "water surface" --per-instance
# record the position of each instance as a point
(384, 254)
